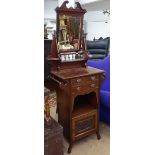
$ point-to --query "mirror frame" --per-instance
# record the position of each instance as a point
(77, 11)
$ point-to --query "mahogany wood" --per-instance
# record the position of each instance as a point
(78, 101)
(54, 57)
(77, 86)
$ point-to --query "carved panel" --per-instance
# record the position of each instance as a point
(84, 125)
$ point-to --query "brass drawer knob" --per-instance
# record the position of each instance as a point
(92, 85)
(93, 77)
(78, 80)
(78, 88)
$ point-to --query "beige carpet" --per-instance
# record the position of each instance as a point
(89, 145)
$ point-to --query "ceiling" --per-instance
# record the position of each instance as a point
(82, 2)
(97, 5)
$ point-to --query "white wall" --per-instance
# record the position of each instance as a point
(97, 30)
(94, 16)
(49, 9)
(70, 4)
(97, 25)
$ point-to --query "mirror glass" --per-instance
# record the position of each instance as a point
(69, 32)
(49, 28)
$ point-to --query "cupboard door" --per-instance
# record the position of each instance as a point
(84, 125)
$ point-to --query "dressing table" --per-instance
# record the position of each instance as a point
(76, 84)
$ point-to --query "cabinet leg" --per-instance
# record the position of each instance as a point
(98, 135)
(70, 148)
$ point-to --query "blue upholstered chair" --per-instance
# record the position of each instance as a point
(103, 64)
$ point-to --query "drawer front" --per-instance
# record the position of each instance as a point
(84, 80)
(86, 88)
(84, 126)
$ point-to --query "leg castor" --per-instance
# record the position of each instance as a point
(70, 148)
(98, 135)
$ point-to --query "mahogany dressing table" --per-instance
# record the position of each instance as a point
(76, 84)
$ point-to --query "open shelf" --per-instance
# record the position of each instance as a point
(84, 104)
(81, 110)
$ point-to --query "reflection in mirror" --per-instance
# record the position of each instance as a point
(49, 28)
(69, 32)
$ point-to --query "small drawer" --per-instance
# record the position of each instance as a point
(85, 88)
(78, 81)
(84, 80)
(93, 78)
(77, 89)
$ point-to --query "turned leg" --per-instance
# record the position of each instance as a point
(98, 135)
(70, 148)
